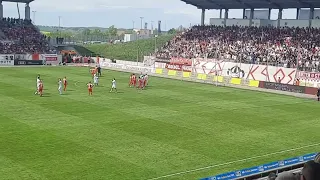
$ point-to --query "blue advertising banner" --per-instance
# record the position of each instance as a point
(263, 168)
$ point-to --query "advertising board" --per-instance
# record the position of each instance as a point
(27, 62)
(6, 62)
(7, 57)
(282, 87)
(50, 57)
(262, 168)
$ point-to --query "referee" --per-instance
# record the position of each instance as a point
(99, 71)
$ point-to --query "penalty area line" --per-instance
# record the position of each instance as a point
(236, 161)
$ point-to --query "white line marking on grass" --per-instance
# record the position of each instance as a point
(76, 83)
(231, 162)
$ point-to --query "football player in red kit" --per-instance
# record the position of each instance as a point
(141, 81)
(145, 80)
(90, 86)
(40, 88)
(133, 80)
(65, 83)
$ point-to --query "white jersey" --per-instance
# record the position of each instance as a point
(114, 84)
(38, 82)
(60, 84)
(96, 79)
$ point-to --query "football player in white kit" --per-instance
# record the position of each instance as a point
(96, 80)
(38, 83)
(60, 86)
(114, 85)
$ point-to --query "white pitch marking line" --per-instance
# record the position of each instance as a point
(76, 83)
(231, 162)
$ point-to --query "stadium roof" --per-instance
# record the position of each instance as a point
(257, 4)
(19, 1)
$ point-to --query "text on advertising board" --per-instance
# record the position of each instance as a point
(128, 67)
(179, 67)
(284, 87)
(6, 63)
(50, 57)
(28, 62)
(308, 75)
(8, 57)
(181, 61)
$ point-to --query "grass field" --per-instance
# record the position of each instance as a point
(129, 51)
(173, 126)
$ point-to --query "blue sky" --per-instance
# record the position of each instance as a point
(121, 13)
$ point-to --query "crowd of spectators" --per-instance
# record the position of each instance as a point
(286, 47)
(19, 36)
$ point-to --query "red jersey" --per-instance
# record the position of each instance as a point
(40, 86)
(134, 78)
(65, 81)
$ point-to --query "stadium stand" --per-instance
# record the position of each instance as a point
(284, 47)
(293, 43)
(21, 36)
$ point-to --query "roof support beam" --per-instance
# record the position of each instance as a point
(304, 3)
(273, 3)
(192, 3)
(217, 4)
(246, 4)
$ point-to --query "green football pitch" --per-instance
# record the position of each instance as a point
(171, 130)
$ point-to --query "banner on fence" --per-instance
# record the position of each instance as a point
(263, 168)
(177, 64)
(27, 62)
(128, 67)
(181, 61)
(244, 71)
(178, 67)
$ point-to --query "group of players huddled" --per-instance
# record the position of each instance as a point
(62, 83)
(142, 81)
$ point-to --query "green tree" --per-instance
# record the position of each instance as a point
(172, 31)
(86, 32)
(112, 31)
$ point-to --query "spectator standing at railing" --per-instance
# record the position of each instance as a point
(310, 171)
(288, 176)
(317, 158)
(272, 176)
